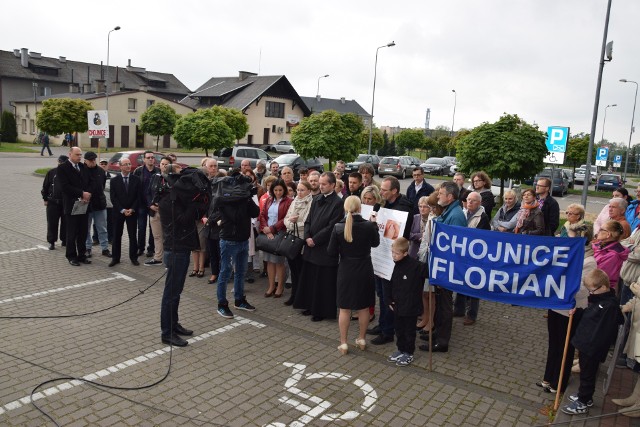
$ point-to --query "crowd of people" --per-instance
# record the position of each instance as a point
(333, 275)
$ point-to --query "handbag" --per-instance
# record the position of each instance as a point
(291, 245)
(266, 244)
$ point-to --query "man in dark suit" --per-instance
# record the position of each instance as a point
(125, 197)
(548, 205)
(52, 197)
(74, 181)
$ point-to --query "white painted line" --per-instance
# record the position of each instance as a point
(17, 251)
(119, 366)
(116, 276)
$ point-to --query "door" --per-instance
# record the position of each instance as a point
(110, 139)
(124, 137)
(166, 142)
(265, 138)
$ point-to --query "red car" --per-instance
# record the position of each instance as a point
(136, 158)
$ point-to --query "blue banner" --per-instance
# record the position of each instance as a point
(532, 271)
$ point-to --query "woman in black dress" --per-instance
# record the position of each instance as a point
(352, 238)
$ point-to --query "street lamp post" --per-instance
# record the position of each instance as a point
(626, 163)
(106, 87)
(318, 91)
(455, 101)
(605, 120)
(373, 97)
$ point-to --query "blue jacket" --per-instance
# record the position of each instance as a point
(630, 214)
(453, 215)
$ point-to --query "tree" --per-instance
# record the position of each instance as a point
(577, 148)
(377, 140)
(63, 115)
(234, 119)
(508, 148)
(8, 130)
(328, 134)
(159, 119)
(203, 129)
(410, 139)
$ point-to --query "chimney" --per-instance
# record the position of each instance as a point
(24, 57)
(99, 86)
(144, 88)
(244, 74)
(35, 55)
(16, 53)
(62, 59)
(74, 87)
(342, 100)
(318, 97)
(129, 63)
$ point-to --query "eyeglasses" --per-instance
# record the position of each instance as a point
(593, 291)
(540, 185)
(573, 213)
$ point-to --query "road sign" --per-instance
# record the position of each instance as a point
(601, 156)
(98, 123)
(556, 144)
(617, 160)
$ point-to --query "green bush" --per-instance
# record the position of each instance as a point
(8, 129)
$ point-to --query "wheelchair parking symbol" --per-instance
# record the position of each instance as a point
(316, 407)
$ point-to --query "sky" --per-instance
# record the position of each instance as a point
(538, 59)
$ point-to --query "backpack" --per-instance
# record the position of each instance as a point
(231, 189)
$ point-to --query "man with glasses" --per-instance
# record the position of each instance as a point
(418, 188)
(145, 173)
(548, 205)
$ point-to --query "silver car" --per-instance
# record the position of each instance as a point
(396, 166)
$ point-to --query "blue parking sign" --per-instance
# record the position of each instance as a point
(602, 154)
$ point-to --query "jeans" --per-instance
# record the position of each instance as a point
(143, 215)
(386, 321)
(238, 254)
(100, 220)
(177, 264)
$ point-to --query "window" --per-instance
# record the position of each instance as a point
(274, 109)
(150, 102)
(132, 104)
(32, 125)
(24, 125)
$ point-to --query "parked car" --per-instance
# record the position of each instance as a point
(509, 184)
(559, 179)
(451, 160)
(397, 166)
(415, 162)
(436, 166)
(609, 182)
(295, 162)
(231, 157)
(136, 157)
(363, 158)
(579, 175)
(279, 147)
(569, 173)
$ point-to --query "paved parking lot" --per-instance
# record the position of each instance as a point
(270, 367)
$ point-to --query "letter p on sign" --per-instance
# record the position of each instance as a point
(557, 135)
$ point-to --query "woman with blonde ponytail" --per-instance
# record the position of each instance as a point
(352, 239)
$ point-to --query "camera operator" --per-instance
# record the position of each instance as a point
(159, 186)
(235, 230)
(177, 215)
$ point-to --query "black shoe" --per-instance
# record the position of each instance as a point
(106, 253)
(263, 274)
(149, 254)
(175, 340)
(287, 285)
(436, 348)
(113, 262)
(374, 331)
(317, 319)
(52, 246)
(85, 261)
(382, 339)
(306, 313)
(250, 280)
(74, 263)
(135, 262)
(178, 329)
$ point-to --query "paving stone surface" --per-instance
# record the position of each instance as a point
(234, 372)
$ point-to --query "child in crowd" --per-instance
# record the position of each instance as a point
(404, 296)
(595, 334)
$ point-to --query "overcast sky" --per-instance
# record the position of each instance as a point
(535, 58)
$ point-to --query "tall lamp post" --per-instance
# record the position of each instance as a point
(455, 101)
(626, 163)
(373, 97)
(106, 88)
(318, 91)
(605, 119)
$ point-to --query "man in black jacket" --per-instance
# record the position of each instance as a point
(418, 188)
(98, 204)
(548, 205)
(318, 279)
(178, 216)
(125, 196)
(235, 231)
(52, 196)
(145, 173)
(390, 192)
(74, 181)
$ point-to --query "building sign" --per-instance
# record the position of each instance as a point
(293, 120)
(98, 123)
